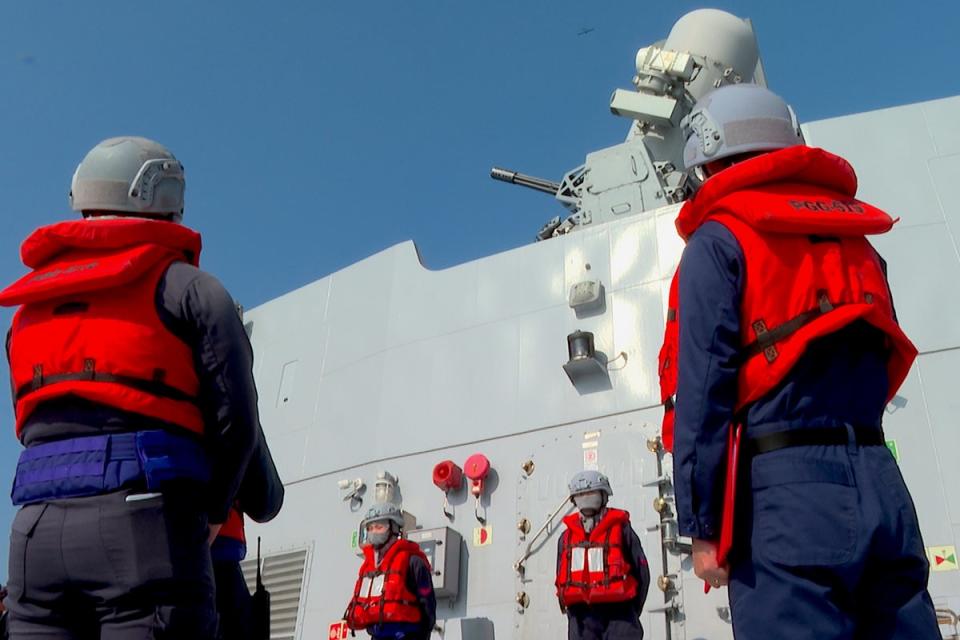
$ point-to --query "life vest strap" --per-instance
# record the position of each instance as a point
(155, 387)
(607, 581)
(366, 603)
(767, 337)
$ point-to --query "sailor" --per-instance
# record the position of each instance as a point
(393, 596)
(260, 497)
(135, 402)
(787, 329)
(602, 572)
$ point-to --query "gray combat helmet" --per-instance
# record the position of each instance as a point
(588, 480)
(735, 119)
(383, 511)
(131, 176)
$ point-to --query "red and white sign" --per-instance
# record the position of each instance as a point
(591, 459)
(338, 631)
(943, 558)
(483, 536)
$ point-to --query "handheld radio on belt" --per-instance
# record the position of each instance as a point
(261, 605)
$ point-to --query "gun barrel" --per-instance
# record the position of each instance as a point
(530, 182)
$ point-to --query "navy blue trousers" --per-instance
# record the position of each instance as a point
(112, 567)
(234, 602)
(834, 550)
(614, 621)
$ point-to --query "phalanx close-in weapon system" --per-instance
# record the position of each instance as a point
(706, 49)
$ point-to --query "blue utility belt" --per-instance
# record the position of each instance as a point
(93, 465)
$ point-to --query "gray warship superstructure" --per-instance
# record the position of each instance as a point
(384, 378)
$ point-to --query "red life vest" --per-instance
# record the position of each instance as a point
(667, 367)
(233, 526)
(593, 568)
(88, 324)
(380, 594)
(809, 269)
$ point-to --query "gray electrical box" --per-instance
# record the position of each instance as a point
(442, 548)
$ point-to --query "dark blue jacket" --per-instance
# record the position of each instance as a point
(841, 379)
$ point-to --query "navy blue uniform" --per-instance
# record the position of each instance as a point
(420, 583)
(130, 564)
(616, 620)
(827, 545)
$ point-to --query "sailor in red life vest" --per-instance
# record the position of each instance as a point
(260, 497)
(393, 596)
(602, 572)
(782, 322)
(135, 401)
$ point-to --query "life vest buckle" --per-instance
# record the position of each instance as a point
(823, 300)
(769, 351)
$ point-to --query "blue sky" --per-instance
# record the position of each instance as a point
(317, 133)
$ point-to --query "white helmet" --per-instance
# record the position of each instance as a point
(385, 511)
(735, 119)
(131, 176)
(589, 480)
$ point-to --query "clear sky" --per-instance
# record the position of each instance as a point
(317, 133)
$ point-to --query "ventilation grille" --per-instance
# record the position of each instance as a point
(283, 577)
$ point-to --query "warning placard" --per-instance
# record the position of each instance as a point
(482, 536)
(591, 451)
(591, 459)
(942, 558)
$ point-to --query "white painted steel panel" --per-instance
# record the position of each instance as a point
(638, 320)
(945, 172)
(938, 374)
(889, 150)
(931, 470)
(940, 117)
(302, 312)
(908, 423)
(387, 365)
(520, 281)
(358, 312)
(586, 257)
(548, 396)
(669, 243)
(425, 303)
(633, 252)
(346, 417)
(924, 276)
(454, 388)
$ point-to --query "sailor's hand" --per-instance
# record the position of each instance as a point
(214, 532)
(705, 563)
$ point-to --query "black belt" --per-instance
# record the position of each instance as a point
(865, 437)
